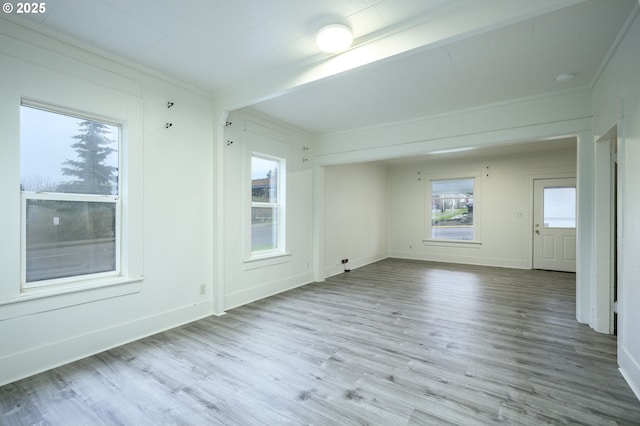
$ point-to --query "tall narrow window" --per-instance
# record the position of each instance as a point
(452, 209)
(266, 205)
(70, 204)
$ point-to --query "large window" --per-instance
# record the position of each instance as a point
(452, 209)
(267, 202)
(70, 196)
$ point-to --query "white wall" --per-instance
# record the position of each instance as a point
(502, 207)
(520, 120)
(355, 216)
(245, 280)
(616, 101)
(171, 220)
(193, 185)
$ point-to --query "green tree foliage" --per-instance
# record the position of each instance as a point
(92, 175)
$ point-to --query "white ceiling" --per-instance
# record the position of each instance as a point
(506, 49)
(517, 60)
(489, 152)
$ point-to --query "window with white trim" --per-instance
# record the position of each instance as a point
(267, 205)
(451, 213)
(69, 184)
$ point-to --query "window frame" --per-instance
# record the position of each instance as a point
(25, 196)
(429, 239)
(90, 279)
(116, 99)
(279, 205)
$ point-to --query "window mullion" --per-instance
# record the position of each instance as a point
(60, 196)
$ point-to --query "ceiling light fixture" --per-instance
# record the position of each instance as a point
(334, 38)
(565, 76)
(447, 151)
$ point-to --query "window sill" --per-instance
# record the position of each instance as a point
(452, 243)
(44, 299)
(266, 260)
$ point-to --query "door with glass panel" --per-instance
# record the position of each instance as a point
(554, 224)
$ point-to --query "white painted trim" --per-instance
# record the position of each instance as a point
(44, 84)
(630, 370)
(354, 264)
(45, 299)
(602, 318)
(266, 260)
(417, 148)
(219, 234)
(266, 143)
(624, 281)
(585, 228)
(508, 104)
(465, 260)
(615, 45)
(20, 365)
(53, 41)
(318, 223)
(253, 294)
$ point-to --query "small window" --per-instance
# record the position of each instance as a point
(267, 233)
(69, 183)
(452, 209)
(560, 207)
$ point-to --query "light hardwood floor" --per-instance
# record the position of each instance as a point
(396, 342)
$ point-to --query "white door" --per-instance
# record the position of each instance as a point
(554, 224)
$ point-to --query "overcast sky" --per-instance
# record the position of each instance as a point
(261, 166)
(45, 143)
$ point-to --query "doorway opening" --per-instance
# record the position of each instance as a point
(614, 232)
(607, 233)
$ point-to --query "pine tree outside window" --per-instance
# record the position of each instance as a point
(70, 197)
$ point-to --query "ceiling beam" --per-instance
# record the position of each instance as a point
(464, 19)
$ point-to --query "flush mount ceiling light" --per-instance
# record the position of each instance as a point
(447, 151)
(565, 76)
(334, 38)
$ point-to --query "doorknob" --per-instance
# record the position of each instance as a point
(538, 231)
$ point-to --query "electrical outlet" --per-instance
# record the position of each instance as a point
(344, 261)
(203, 289)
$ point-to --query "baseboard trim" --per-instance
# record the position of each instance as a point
(630, 370)
(33, 361)
(244, 297)
(465, 260)
(330, 271)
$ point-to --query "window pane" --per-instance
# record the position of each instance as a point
(264, 180)
(559, 207)
(452, 209)
(61, 153)
(264, 228)
(68, 238)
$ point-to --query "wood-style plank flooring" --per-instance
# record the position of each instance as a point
(394, 343)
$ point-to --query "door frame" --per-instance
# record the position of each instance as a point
(608, 224)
